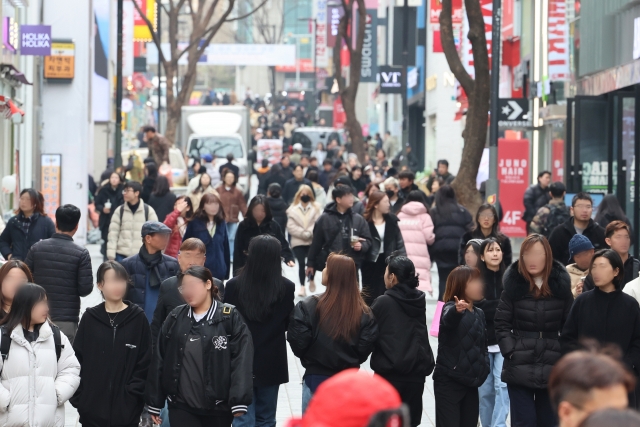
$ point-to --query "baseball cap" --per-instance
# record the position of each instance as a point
(579, 243)
(297, 146)
(153, 227)
(207, 157)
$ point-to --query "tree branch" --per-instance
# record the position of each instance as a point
(248, 14)
(449, 48)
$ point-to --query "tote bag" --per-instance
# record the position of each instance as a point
(435, 323)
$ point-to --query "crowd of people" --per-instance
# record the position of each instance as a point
(197, 311)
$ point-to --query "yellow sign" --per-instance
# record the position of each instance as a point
(141, 31)
(60, 65)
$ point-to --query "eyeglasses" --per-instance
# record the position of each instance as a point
(583, 207)
(486, 216)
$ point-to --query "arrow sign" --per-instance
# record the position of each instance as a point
(517, 110)
(512, 112)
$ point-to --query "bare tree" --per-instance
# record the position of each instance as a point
(477, 90)
(348, 92)
(270, 26)
(207, 17)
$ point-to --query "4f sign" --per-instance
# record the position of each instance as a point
(390, 80)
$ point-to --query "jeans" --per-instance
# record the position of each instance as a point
(232, 228)
(494, 396)
(120, 258)
(530, 407)
(164, 415)
(306, 396)
(262, 411)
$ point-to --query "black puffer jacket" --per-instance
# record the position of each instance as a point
(535, 197)
(392, 239)
(462, 346)
(320, 354)
(562, 234)
(528, 328)
(492, 291)
(63, 269)
(278, 210)
(402, 351)
(15, 242)
(247, 230)
(449, 229)
(107, 194)
(138, 271)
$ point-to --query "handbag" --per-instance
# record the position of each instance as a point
(435, 323)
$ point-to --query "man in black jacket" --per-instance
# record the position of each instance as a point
(63, 269)
(580, 223)
(150, 267)
(229, 165)
(536, 196)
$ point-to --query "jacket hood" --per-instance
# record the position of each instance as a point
(517, 287)
(410, 299)
(569, 225)
(413, 208)
(277, 202)
(332, 208)
(573, 269)
(100, 313)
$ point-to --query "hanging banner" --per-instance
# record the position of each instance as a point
(369, 67)
(141, 31)
(558, 41)
(436, 9)
(339, 115)
(513, 174)
(557, 160)
(335, 13)
(50, 165)
(322, 51)
(127, 38)
(467, 54)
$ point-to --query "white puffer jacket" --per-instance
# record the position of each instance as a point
(125, 238)
(33, 386)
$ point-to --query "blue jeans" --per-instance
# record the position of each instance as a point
(164, 415)
(307, 394)
(494, 396)
(232, 228)
(262, 411)
(120, 258)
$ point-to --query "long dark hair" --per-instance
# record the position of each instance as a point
(487, 243)
(446, 202)
(609, 210)
(201, 214)
(495, 228)
(260, 283)
(27, 296)
(615, 261)
(37, 200)
(4, 271)
(161, 186)
(418, 196)
(260, 199)
(203, 274)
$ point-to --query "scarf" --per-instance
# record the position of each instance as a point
(25, 223)
(151, 261)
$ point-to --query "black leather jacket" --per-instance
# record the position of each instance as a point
(393, 240)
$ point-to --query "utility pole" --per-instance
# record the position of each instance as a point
(118, 146)
(405, 81)
(493, 186)
(315, 71)
(159, 9)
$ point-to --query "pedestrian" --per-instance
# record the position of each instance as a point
(463, 363)
(332, 331)
(297, 153)
(451, 221)
(30, 225)
(292, 185)
(263, 173)
(441, 175)
(581, 250)
(390, 145)
(318, 190)
(203, 345)
(486, 226)
(618, 236)
(109, 197)
(553, 213)
(416, 227)
(587, 381)
(529, 318)
(328, 173)
(433, 190)
(150, 267)
(472, 253)
(536, 196)
(177, 221)
(258, 221)
(319, 153)
(402, 354)
(278, 205)
(339, 230)
(386, 239)
(302, 216)
(126, 223)
(580, 223)
(609, 210)
(158, 145)
(13, 274)
(264, 298)
(209, 226)
(40, 371)
(233, 203)
(493, 394)
(204, 187)
(280, 172)
(162, 200)
(229, 166)
(392, 189)
(406, 179)
(63, 269)
(357, 180)
(113, 346)
(149, 180)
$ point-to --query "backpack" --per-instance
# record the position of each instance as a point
(555, 217)
(5, 342)
(146, 212)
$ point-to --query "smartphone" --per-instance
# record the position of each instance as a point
(309, 277)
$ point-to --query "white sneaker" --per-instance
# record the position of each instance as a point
(312, 286)
(302, 292)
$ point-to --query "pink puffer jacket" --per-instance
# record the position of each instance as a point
(417, 231)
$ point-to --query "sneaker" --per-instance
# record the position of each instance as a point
(302, 292)
(312, 286)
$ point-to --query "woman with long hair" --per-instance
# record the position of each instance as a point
(204, 187)
(402, 354)
(258, 221)
(30, 225)
(494, 398)
(233, 203)
(208, 225)
(149, 180)
(451, 221)
(13, 274)
(302, 216)
(203, 358)
(531, 313)
(416, 227)
(386, 239)
(177, 221)
(332, 331)
(162, 199)
(109, 197)
(113, 346)
(265, 299)
(487, 225)
(319, 192)
(40, 371)
(609, 210)
(472, 253)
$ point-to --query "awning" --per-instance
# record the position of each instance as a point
(10, 110)
(9, 72)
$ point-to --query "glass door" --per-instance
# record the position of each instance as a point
(592, 143)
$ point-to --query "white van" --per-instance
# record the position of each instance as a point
(218, 146)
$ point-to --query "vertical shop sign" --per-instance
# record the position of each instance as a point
(335, 13)
(513, 174)
(127, 38)
(339, 115)
(558, 41)
(141, 31)
(320, 12)
(557, 160)
(369, 67)
(50, 165)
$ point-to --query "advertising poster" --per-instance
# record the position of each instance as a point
(369, 68)
(50, 186)
(141, 31)
(513, 174)
(270, 149)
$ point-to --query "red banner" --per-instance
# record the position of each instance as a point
(436, 9)
(339, 115)
(557, 160)
(513, 174)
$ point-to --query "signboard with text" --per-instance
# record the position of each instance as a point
(513, 174)
(390, 79)
(369, 67)
(35, 40)
(335, 13)
(50, 165)
(322, 50)
(141, 31)
(558, 41)
(60, 64)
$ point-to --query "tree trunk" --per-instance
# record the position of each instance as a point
(353, 126)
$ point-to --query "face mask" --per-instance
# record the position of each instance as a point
(390, 193)
(305, 198)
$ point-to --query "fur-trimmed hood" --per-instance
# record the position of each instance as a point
(517, 287)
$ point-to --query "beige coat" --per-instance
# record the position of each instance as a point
(576, 274)
(197, 196)
(126, 238)
(300, 225)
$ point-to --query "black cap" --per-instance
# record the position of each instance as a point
(153, 227)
